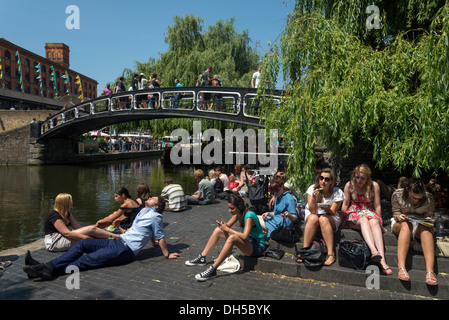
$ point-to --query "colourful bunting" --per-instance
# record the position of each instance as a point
(20, 70)
(39, 76)
(80, 88)
(53, 78)
(66, 78)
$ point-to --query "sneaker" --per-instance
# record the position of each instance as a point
(210, 273)
(198, 261)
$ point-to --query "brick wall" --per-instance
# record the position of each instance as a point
(11, 120)
(14, 145)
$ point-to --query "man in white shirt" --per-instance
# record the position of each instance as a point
(255, 80)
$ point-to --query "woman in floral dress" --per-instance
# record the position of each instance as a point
(362, 211)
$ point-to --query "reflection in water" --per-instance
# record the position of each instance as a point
(27, 193)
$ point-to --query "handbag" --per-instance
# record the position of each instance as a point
(285, 234)
(274, 253)
(230, 265)
(442, 247)
(354, 254)
(312, 256)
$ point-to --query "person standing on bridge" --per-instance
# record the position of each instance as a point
(207, 78)
(156, 84)
(255, 80)
(177, 95)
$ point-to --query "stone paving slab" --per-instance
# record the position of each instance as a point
(152, 277)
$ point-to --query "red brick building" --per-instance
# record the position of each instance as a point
(57, 58)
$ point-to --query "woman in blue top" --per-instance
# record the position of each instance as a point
(250, 240)
(284, 207)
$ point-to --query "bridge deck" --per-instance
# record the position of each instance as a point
(238, 105)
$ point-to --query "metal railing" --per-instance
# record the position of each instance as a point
(197, 101)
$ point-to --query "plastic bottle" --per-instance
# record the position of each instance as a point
(439, 227)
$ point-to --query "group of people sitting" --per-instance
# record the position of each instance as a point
(360, 209)
(139, 221)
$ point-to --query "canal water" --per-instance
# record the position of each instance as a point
(27, 193)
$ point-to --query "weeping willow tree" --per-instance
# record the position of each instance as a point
(358, 72)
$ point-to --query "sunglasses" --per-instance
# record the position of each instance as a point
(327, 179)
(415, 198)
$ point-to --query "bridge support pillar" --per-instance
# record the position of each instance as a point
(53, 151)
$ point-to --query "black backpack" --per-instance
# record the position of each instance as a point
(257, 187)
(218, 186)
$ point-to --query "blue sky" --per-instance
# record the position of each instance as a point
(113, 35)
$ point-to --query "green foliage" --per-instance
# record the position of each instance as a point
(348, 85)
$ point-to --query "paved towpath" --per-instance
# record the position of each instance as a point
(151, 277)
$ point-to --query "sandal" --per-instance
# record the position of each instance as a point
(376, 257)
(327, 258)
(403, 275)
(386, 271)
(431, 278)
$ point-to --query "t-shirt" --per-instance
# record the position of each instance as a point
(256, 231)
(176, 197)
(256, 77)
(225, 179)
(51, 219)
(135, 84)
(337, 195)
(206, 189)
(206, 77)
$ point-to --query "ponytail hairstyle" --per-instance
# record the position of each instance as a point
(123, 191)
(63, 204)
(416, 186)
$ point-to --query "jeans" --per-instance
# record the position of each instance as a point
(94, 253)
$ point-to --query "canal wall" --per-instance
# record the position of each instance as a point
(19, 147)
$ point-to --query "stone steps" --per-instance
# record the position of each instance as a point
(415, 265)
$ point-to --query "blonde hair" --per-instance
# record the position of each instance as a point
(63, 204)
(199, 174)
(212, 174)
(363, 168)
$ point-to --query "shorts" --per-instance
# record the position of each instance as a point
(56, 242)
(257, 249)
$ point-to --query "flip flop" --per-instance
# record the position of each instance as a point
(403, 275)
(431, 281)
(386, 271)
(327, 257)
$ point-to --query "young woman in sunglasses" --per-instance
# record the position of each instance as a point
(413, 200)
(362, 211)
(323, 201)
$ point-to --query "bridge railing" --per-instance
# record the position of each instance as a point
(198, 100)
